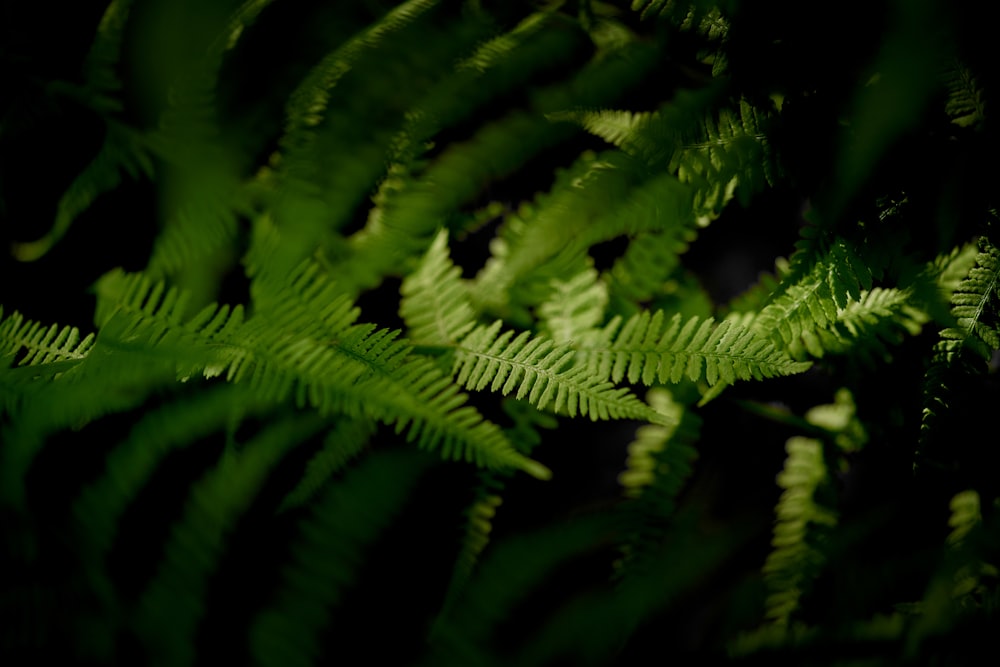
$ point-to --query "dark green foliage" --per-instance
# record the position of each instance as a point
(581, 333)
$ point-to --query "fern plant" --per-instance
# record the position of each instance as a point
(507, 333)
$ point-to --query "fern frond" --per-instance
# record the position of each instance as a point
(629, 131)
(881, 314)
(815, 300)
(721, 154)
(345, 520)
(412, 215)
(201, 165)
(27, 343)
(119, 293)
(973, 576)
(343, 443)
(649, 262)
(303, 345)
(733, 159)
(702, 16)
(707, 19)
(407, 215)
(964, 584)
(642, 466)
(575, 308)
(965, 105)
(949, 269)
(306, 301)
(40, 378)
(652, 350)
(503, 47)
(435, 304)
(841, 421)
(123, 149)
(140, 315)
(974, 307)
(111, 379)
(103, 81)
(540, 372)
(317, 193)
(965, 348)
(475, 535)
(490, 485)
(796, 559)
(309, 101)
(652, 137)
(597, 199)
(965, 516)
(171, 607)
(660, 460)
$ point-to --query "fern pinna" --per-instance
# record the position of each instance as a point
(508, 333)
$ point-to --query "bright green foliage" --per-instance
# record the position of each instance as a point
(575, 308)
(974, 307)
(650, 349)
(539, 371)
(346, 310)
(435, 304)
(40, 345)
(800, 516)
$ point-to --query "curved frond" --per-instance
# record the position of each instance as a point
(720, 153)
(648, 263)
(974, 307)
(795, 560)
(27, 343)
(541, 373)
(575, 308)
(308, 103)
(599, 198)
(123, 149)
(816, 299)
(435, 304)
(301, 344)
(660, 460)
(345, 441)
(32, 355)
(881, 314)
(650, 349)
(408, 211)
(102, 59)
(731, 157)
(964, 350)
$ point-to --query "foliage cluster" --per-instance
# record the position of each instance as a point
(504, 333)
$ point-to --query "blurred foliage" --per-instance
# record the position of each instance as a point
(328, 279)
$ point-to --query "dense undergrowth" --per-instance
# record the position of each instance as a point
(485, 333)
